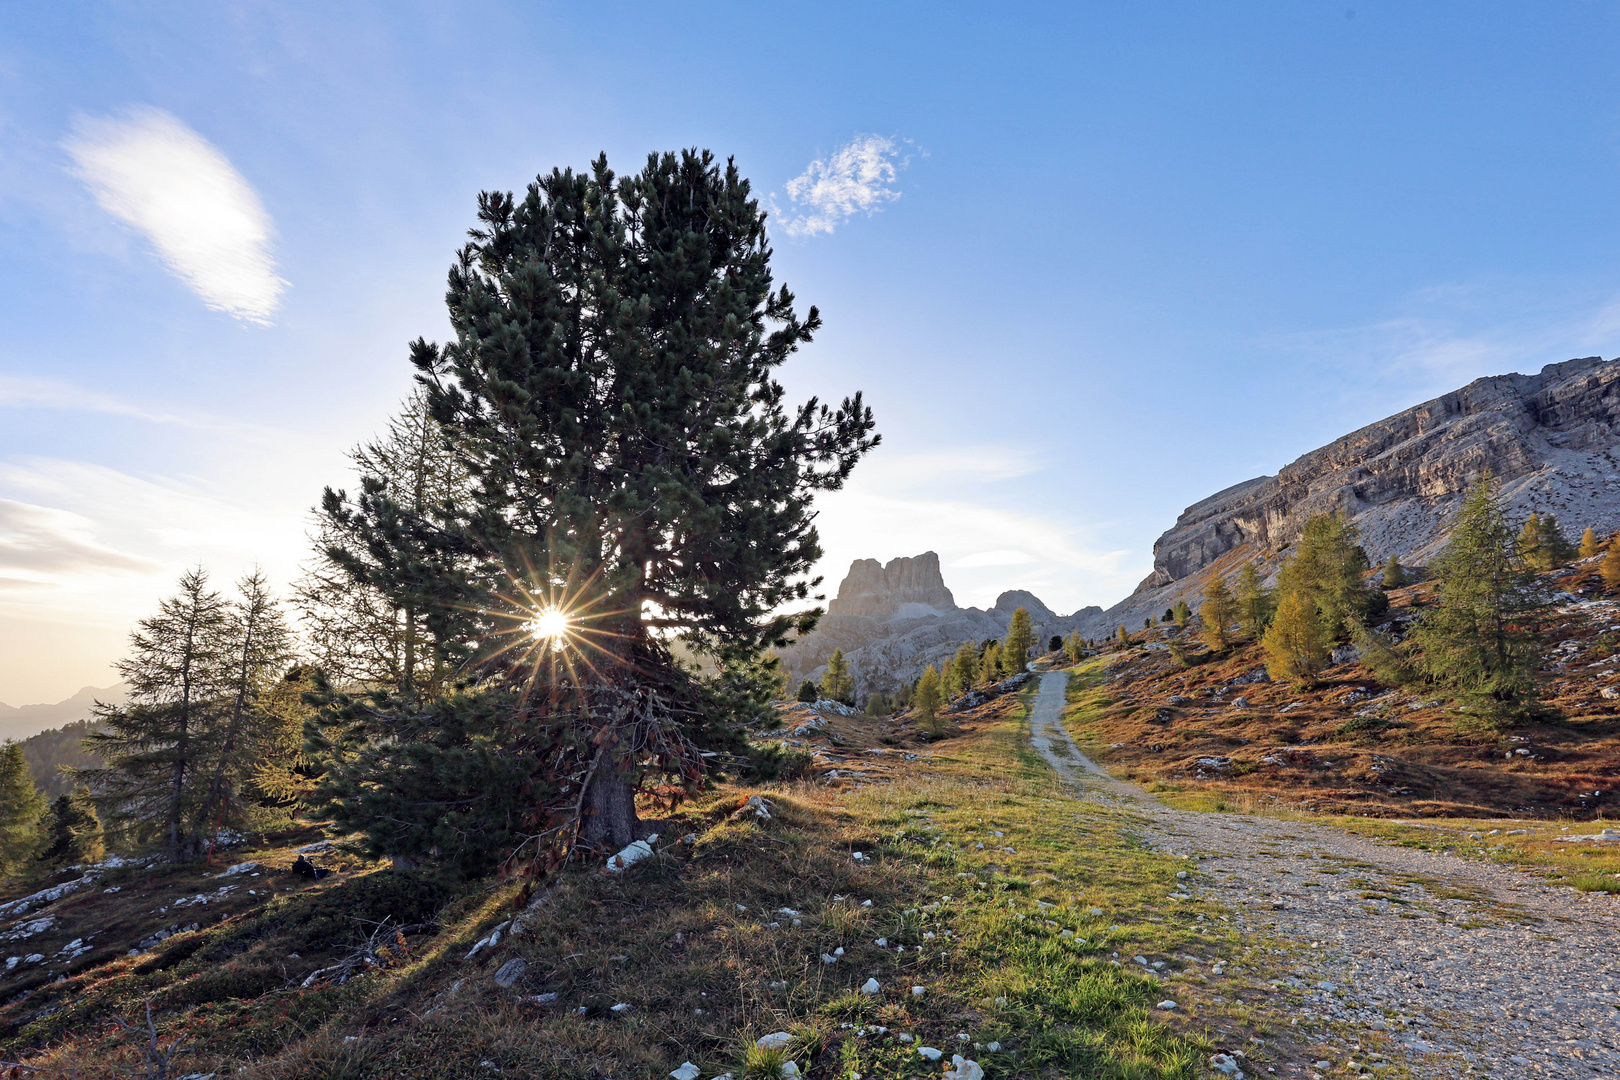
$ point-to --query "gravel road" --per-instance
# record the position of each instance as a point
(1415, 963)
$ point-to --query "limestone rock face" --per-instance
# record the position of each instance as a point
(893, 621)
(905, 588)
(1551, 439)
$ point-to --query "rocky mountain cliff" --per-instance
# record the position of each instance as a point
(894, 620)
(1552, 440)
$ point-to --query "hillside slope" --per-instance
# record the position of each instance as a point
(986, 904)
(1353, 745)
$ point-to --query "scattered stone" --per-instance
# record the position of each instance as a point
(239, 868)
(1226, 1063)
(687, 1071)
(918, 991)
(548, 998)
(633, 853)
(776, 1040)
(623, 1006)
(930, 1053)
(870, 987)
(510, 972)
(963, 1069)
(1166, 1004)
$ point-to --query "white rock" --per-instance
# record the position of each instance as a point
(963, 1069)
(870, 986)
(930, 1053)
(789, 1070)
(776, 1040)
(1226, 1063)
(866, 903)
(510, 972)
(545, 999)
(240, 868)
(882, 943)
(1166, 1004)
(994, 1048)
(828, 958)
(687, 1071)
(623, 1006)
(634, 853)
(759, 806)
(918, 991)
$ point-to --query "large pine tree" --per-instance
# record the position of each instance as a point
(636, 473)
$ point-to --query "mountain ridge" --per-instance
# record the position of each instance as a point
(24, 721)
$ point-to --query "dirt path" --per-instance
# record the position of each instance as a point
(1470, 968)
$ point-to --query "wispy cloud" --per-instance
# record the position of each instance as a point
(857, 178)
(207, 223)
(39, 544)
(999, 557)
(23, 392)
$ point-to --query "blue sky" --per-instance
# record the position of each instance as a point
(1103, 261)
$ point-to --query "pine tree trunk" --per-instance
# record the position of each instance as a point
(609, 818)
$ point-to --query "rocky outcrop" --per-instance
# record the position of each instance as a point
(1552, 439)
(907, 587)
(892, 621)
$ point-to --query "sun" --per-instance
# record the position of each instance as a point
(550, 625)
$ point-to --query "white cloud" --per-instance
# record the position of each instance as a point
(856, 178)
(40, 545)
(207, 223)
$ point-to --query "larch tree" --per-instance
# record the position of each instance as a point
(1296, 646)
(194, 733)
(928, 697)
(1553, 546)
(967, 665)
(153, 746)
(259, 652)
(1530, 540)
(636, 474)
(357, 635)
(837, 684)
(1480, 639)
(21, 807)
(1181, 613)
(1589, 544)
(1609, 568)
(990, 663)
(1394, 574)
(1218, 611)
(1327, 566)
(1255, 603)
(1016, 645)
